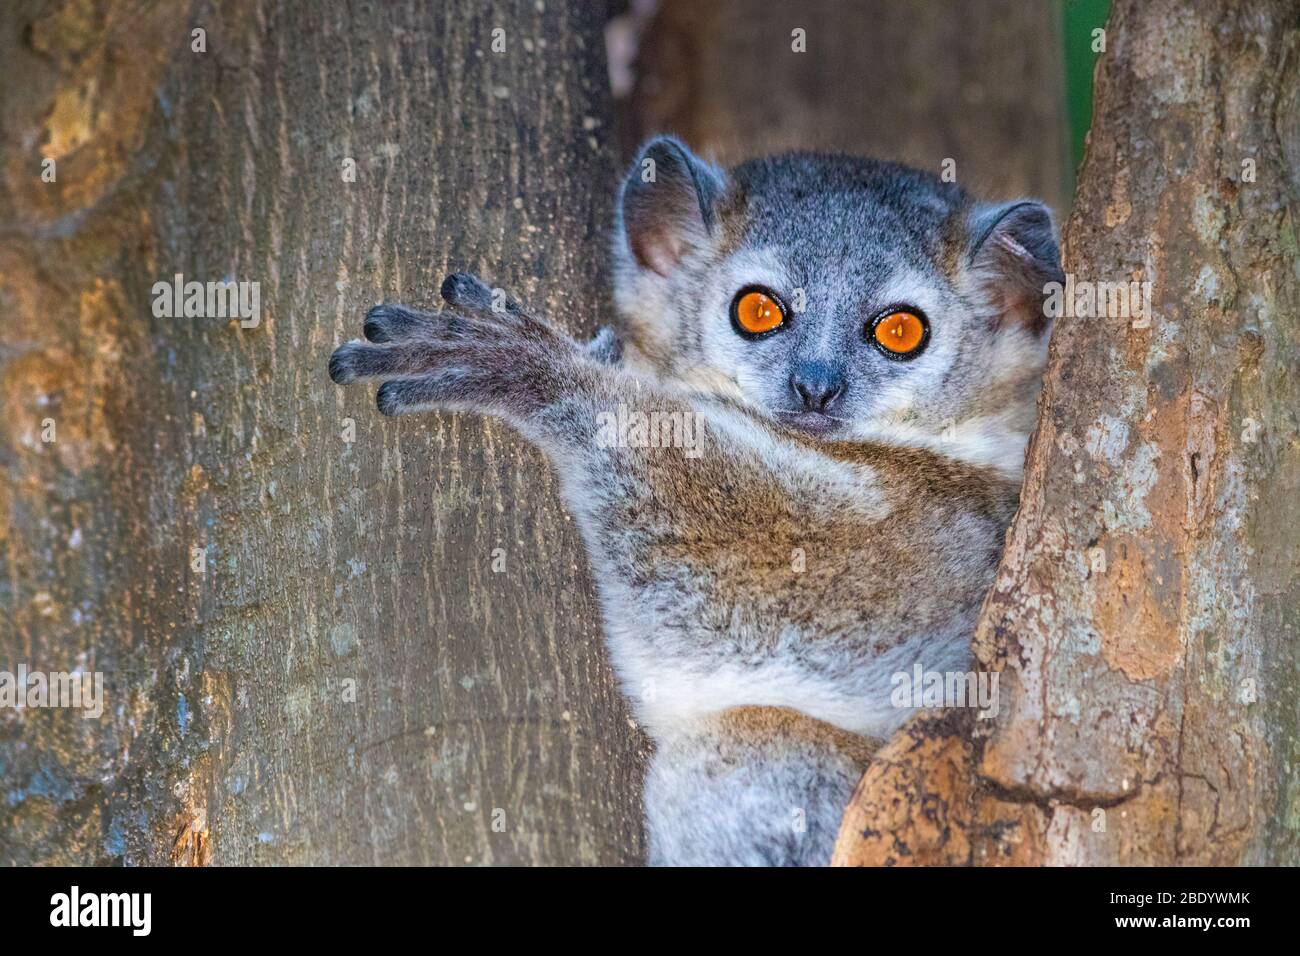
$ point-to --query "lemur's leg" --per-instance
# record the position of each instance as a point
(751, 786)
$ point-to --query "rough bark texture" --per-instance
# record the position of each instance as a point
(895, 79)
(228, 735)
(1146, 619)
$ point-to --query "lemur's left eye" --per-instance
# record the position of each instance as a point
(756, 311)
(900, 334)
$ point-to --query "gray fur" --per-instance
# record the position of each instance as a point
(855, 236)
(707, 613)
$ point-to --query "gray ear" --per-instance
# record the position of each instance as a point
(1013, 254)
(667, 204)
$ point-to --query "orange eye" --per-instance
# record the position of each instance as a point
(756, 313)
(900, 333)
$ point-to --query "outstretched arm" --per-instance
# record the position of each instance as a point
(631, 456)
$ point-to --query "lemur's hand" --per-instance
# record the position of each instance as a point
(486, 354)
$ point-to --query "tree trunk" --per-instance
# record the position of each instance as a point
(1146, 617)
(314, 650)
(895, 79)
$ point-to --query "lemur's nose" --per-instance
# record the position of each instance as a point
(816, 385)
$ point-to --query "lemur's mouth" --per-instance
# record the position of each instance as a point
(814, 423)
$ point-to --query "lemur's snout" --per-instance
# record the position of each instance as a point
(816, 385)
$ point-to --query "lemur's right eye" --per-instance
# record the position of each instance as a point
(900, 334)
(756, 311)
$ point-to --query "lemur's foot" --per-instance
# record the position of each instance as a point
(486, 354)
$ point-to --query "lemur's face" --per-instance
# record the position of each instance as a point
(824, 329)
(842, 297)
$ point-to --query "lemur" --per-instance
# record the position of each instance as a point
(861, 345)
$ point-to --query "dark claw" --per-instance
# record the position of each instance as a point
(463, 289)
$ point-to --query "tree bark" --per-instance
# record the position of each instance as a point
(913, 82)
(1146, 618)
(482, 724)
